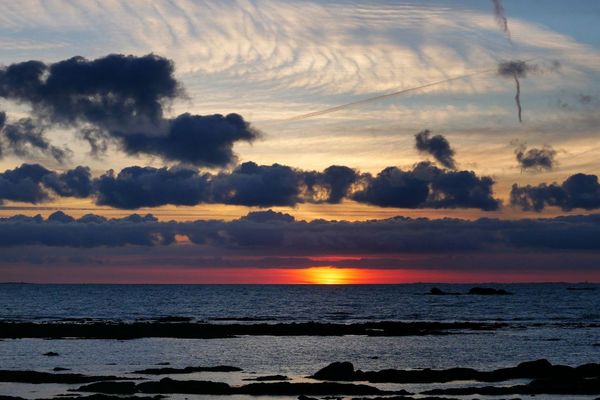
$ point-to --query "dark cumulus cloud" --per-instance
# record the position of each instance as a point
(115, 90)
(32, 183)
(577, 191)
(194, 139)
(249, 184)
(426, 186)
(535, 159)
(23, 138)
(437, 146)
(122, 99)
(274, 234)
(332, 185)
(253, 185)
(136, 187)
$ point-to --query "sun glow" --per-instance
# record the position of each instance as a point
(330, 275)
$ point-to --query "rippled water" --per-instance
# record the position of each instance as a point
(529, 303)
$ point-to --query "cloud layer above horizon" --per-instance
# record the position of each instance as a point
(404, 106)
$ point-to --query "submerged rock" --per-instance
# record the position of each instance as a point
(187, 370)
(538, 369)
(318, 389)
(267, 378)
(47, 377)
(51, 354)
(484, 291)
(169, 386)
(174, 318)
(197, 330)
(434, 291)
(110, 387)
(556, 386)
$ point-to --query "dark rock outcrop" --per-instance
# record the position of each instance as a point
(484, 291)
(557, 386)
(539, 369)
(197, 330)
(110, 387)
(187, 370)
(168, 386)
(174, 319)
(434, 291)
(337, 371)
(47, 377)
(171, 386)
(268, 378)
(318, 389)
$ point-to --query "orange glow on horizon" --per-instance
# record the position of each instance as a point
(324, 275)
(331, 275)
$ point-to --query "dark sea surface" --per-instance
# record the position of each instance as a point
(544, 321)
(530, 303)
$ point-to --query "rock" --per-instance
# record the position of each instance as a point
(303, 397)
(51, 354)
(187, 370)
(47, 377)
(197, 330)
(535, 368)
(337, 371)
(269, 378)
(314, 389)
(168, 386)
(174, 319)
(58, 369)
(109, 387)
(171, 386)
(101, 396)
(439, 292)
(538, 369)
(482, 291)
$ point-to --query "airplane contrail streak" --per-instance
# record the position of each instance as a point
(385, 96)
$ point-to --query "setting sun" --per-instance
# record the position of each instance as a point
(330, 275)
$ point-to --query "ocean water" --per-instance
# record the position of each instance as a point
(545, 321)
(530, 303)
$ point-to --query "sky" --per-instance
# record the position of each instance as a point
(299, 141)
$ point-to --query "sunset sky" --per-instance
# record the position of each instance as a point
(198, 117)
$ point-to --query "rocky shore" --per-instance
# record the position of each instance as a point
(339, 379)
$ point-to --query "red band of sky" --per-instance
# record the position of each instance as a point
(315, 275)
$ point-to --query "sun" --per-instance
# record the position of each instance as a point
(328, 276)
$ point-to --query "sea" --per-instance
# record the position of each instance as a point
(558, 322)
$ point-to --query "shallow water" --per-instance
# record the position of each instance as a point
(546, 321)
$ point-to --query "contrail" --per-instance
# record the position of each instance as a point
(385, 96)
(501, 18)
